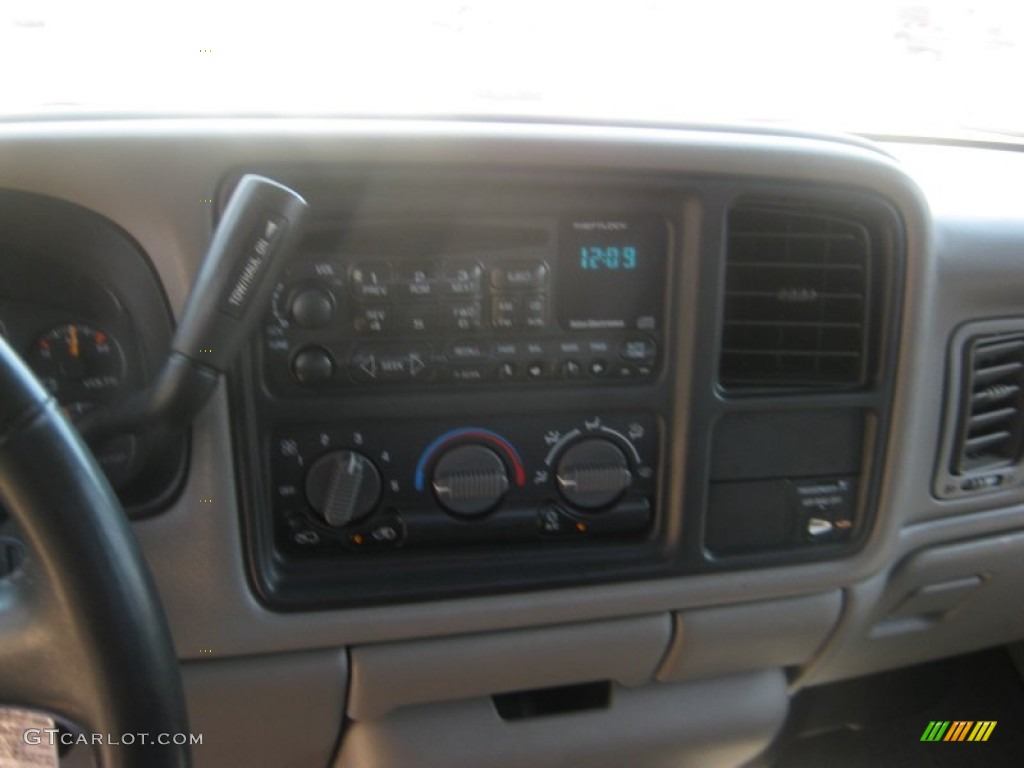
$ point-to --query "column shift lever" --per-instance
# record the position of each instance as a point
(262, 224)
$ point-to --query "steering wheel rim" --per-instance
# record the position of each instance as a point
(82, 632)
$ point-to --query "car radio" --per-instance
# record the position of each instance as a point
(466, 303)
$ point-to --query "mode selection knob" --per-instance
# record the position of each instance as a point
(343, 487)
(470, 480)
(593, 473)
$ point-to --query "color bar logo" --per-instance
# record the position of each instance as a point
(958, 730)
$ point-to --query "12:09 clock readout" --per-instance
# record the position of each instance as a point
(607, 257)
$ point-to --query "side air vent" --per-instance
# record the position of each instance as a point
(797, 300)
(989, 436)
(984, 441)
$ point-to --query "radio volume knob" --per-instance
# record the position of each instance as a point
(470, 480)
(593, 473)
(312, 307)
(343, 487)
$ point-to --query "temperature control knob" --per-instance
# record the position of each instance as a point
(470, 480)
(343, 486)
(593, 473)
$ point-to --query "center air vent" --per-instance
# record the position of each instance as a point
(796, 300)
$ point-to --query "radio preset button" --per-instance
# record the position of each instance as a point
(463, 315)
(373, 319)
(371, 280)
(462, 278)
(519, 275)
(419, 319)
(418, 280)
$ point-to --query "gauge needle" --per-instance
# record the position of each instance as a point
(74, 340)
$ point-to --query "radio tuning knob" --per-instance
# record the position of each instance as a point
(343, 487)
(470, 480)
(593, 473)
(313, 365)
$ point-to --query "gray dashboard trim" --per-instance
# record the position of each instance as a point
(152, 176)
(236, 704)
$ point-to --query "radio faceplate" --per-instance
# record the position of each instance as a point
(461, 389)
(471, 302)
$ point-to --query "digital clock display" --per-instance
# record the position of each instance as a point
(611, 272)
(608, 257)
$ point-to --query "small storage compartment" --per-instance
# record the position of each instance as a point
(392, 675)
(721, 722)
(711, 642)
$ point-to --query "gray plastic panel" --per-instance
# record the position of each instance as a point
(706, 724)
(746, 445)
(266, 711)
(718, 641)
(889, 634)
(397, 674)
(975, 272)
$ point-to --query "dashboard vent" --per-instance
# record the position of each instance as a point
(796, 299)
(992, 407)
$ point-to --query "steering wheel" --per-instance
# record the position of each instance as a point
(82, 631)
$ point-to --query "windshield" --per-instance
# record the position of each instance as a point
(939, 68)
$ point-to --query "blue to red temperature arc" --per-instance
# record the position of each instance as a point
(471, 433)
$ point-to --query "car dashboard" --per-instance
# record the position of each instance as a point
(556, 442)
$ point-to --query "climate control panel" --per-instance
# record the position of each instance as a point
(342, 489)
